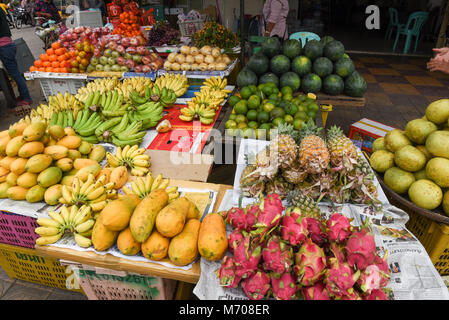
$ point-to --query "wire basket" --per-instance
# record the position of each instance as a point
(189, 27)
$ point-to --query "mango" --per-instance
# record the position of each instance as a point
(69, 131)
(38, 163)
(74, 154)
(14, 145)
(11, 178)
(71, 142)
(67, 180)
(49, 177)
(85, 147)
(17, 129)
(117, 213)
(84, 172)
(34, 131)
(97, 153)
(126, 243)
(18, 166)
(65, 164)
(4, 186)
(57, 152)
(56, 132)
(102, 237)
(81, 163)
(3, 174)
(35, 194)
(17, 193)
(27, 180)
(7, 161)
(119, 175)
(51, 142)
(52, 194)
(29, 149)
(3, 143)
(45, 139)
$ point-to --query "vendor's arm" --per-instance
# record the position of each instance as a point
(442, 53)
(438, 65)
(274, 17)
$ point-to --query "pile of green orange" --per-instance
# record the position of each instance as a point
(258, 109)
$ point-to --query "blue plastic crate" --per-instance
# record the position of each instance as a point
(151, 75)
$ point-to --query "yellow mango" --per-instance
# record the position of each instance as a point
(18, 166)
(34, 131)
(35, 194)
(29, 149)
(65, 164)
(38, 163)
(17, 193)
(27, 180)
(71, 142)
(52, 194)
(49, 177)
(14, 145)
(57, 152)
(97, 153)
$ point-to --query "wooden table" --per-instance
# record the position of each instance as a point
(108, 261)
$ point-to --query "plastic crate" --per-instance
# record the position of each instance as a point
(434, 237)
(51, 86)
(24, 264)
(189, 27)
(17, 230)
(104, 284)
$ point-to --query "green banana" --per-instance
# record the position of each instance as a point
(96, 98)
(89, 100)
(70, 119)
(91, 139)
(106, 125)
(108, 100)
(54, 118)
(103, 99)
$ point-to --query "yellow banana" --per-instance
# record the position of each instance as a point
(173, 195)
(148, 182)
(73, 212)
(87, 184)
(127, 190)
(48, 239)
(157, 181)
(83, 227)
(164, 184)
(47, 222)
(125, 151)
(46, 231)
(67, 194)
(135, 188)
(82, 241)
(112, 160)
(65, 214)
(141, 185)
(98, 206)
(56, 217)
(83, 215)
(95, 193)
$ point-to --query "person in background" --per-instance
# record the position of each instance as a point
(440, 62)
(275, 19)
(8, 58)
(46, 9)
(94, 4)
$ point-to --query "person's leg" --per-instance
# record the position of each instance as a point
(8, 57)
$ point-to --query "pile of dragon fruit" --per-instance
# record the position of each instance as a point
(294, 256)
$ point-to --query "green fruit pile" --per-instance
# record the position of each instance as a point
(261, 108)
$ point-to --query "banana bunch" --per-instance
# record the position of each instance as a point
(61, 102)
(166, 97)
(148, 113)
(109, 104)
(216, 83)
(143, 186)
(85, 125)
(207, 98)
(43, 112)
(63, 118)
(93, 193)
(128, 85)
(132, 157)
(177, 83)
(100, 84)
(132, 134)
(77, 221)
(29, 119)
(194, 112)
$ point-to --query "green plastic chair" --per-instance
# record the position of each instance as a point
(394, 22)
(411, 29)
(257, 39)
(304, 37)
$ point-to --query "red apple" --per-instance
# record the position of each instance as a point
(112, 45)
(138, 68)
(146, 68)
(131, 50)
(125, 42)
(140, 50)
(134, 41)
(121, 61)
(130, 64)
(120, 49)
(146, 60)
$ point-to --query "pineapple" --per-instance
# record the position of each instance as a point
(251, 186)
(294, 174)
(287, 149)
(343, 153)
(306, 204)
(279, 186)
(313, 153)
(266, 164)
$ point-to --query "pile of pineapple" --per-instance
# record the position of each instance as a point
(305, 166)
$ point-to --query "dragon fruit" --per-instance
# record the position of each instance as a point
(234, 239)
(370, 279)
(339, 228)
(294, 227)
(377, 295)
(337, 252)
(316, 230)
(361, 249)
(257, 286)
(242, 219)
(246, 258)
(226, 273)
(284, 287)
(316, 292)
(310, 263)
(340, 278)
(277, 256)
(382, 264)
(270, 216)
(353, 295)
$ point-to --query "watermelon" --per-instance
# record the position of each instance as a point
(326, 39)
(280, 64)
(290, 79)
(333, 85)
(258, 63)
(311, 83)
(355, 85)
(269, 77)
(246, 77)
(313, 49)
(323, 67)
(334, 50)
(344, 67)
(271, 47)
(292, 48)
(301, 65)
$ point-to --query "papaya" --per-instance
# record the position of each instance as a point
(126, 243)
(81, 163)
(69, 131)
(83, 173)
(38, 163)
(212, 239)
(3, 174)
(49, 177)
(17, 193)
(4, 186)
(35, 194)
(3, 143)
(117, 213)
(70, 141)
(155, 247)
(171, 219)
(193, 212)
(97, 153)
(34, 131)
(52, 194)
(56, 132)
(144, 216)
(57, 152)
(14, 145)
(119, 175)
(65, 164)
(29, 149)
(27, 180)
(183, 248)
(7, 161)
(85, 147)
(18, 166)
(17, 129)
(105, 171)
(102, 238)
(11, 178)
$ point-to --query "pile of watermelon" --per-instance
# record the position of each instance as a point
(319, 66)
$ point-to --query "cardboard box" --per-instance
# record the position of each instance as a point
(364, 132)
